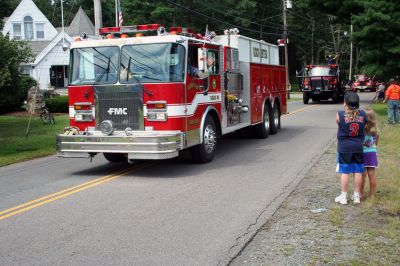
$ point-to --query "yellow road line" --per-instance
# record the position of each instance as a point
(64, 193)
(299, 110)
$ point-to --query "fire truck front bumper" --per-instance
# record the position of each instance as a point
(137, 145)
(361, 88)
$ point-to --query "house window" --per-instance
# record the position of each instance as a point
(28, 27)
(25, 70)
(40, 31)
(17, 31)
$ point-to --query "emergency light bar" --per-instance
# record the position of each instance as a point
(130, 29)
(181, 30)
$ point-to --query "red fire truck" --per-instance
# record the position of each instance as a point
(144, 93)
(363, 83)
(321, 82)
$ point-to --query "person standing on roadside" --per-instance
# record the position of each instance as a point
(351, 125)
(370, 153)
(393, 102)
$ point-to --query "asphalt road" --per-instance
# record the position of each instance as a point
(69, 211)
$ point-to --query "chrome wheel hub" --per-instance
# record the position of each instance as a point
(266, 121)
(209, 139)
(276, 117)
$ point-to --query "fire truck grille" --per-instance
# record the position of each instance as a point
(362, 83)
(123, 105)
(319, 84)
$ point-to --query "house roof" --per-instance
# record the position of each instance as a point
(51, 45)
(38, 46)
(29, 8)
(80, 23)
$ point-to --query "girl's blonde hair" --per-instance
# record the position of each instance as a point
(351, 113)
(370, 127)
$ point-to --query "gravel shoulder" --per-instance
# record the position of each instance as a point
(310, 229)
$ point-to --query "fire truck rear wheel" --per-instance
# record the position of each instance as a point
(204, 152)
(115, 157)
(263, 129)
(275, 120)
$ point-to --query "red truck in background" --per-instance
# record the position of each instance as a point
(363, 82)
(321, 82)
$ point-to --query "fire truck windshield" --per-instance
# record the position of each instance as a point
(321, 71)
(152, 63)
(95, 65)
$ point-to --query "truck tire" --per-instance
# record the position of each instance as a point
(306, 98)
(204, 152)
(275, 120)
(263, 129)
(115, 157)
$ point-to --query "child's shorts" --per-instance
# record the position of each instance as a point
(348, 163)
(370, 159)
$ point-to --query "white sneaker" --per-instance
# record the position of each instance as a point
(342, 199)
(356, 198)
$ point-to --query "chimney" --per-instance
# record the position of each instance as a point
(97, 16)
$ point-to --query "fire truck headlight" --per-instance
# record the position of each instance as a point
(107, 127)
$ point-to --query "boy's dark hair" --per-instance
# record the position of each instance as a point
(352, 100)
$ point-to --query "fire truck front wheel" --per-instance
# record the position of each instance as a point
(204, 152)
(115, 157)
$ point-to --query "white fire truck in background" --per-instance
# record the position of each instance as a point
(144, 93)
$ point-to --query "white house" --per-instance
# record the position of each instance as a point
(50, 64)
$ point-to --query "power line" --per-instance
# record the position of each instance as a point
(251, 22)
(221, 21)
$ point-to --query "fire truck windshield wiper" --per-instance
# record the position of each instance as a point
(147, 77)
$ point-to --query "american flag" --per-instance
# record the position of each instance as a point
(120, 19)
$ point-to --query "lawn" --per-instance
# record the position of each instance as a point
(41, 141)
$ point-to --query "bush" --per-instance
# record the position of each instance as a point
(13, 85)
(57, 104)
(12, 98)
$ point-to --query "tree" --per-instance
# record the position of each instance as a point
(13, 85)
(7, 6)
(376, 31)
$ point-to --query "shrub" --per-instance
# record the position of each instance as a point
(57, 104)
(13, 85)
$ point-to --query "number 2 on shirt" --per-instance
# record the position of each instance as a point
(354, 127)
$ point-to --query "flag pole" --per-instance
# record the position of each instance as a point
(116, 13)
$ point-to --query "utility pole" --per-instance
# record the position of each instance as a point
(351, 51)
(62, 23)
(97, 16)
(333, 38)
(312, 40)
(285, 34)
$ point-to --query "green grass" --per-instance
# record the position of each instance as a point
(378, 224)
(296, 96)
(16, 147)
(335, 216)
